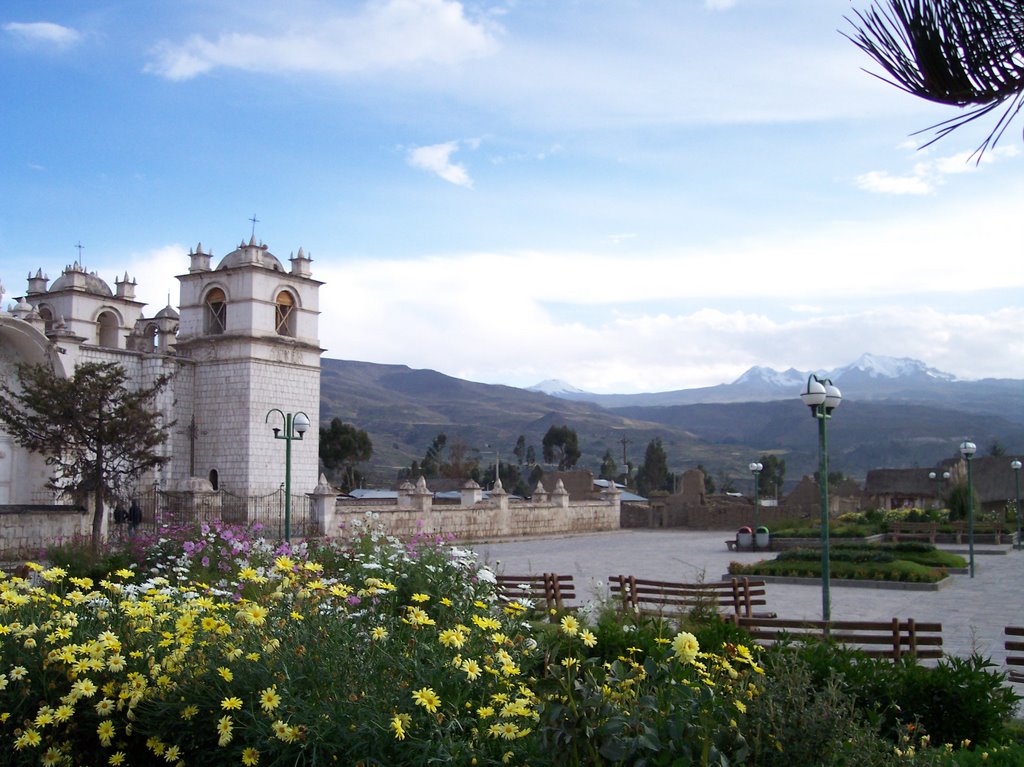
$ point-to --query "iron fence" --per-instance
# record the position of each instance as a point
(266, 513)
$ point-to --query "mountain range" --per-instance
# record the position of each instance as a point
(895, 413)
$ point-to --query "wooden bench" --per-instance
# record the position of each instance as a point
(882, 639)
(914, 531)
(736, 595)
(1015, 652)
(547, 591)
(989, 528)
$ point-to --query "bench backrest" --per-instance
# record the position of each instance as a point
(880, 639)
(1015, 650)
(736, 595)
(551, 590)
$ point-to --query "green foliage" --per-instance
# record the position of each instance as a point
(343, 445)
(772, 475)
(709, 481)
(957, 700)
(97, 435)
(609, 466)
(958, 501)
(561, 446)
(79, 557)
(800, 718)
(653, 474)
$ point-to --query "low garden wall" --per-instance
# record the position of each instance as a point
(25, 529)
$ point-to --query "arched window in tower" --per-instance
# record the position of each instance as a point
(152, 339)
(216, 312)
(47, 315)
(284, 317)
(106, 328)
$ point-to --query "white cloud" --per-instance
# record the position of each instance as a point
(436, 159)
(44, 33)
(384, 35)
(930, 172)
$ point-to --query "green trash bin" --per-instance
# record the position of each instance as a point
(763, 538)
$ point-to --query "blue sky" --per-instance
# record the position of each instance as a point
(628, 196)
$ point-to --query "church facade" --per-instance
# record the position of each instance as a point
(242, 345)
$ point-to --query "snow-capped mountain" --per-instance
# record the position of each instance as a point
(875, 366)
(869, 377)
(557, 388)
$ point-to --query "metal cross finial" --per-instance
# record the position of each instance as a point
(254, 222)
(79, 246)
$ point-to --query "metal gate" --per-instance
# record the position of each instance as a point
(162, 510)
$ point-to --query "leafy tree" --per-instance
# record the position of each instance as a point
(964, 53)
(653, 473)
(531, 456)
(519, 451)
(430, 466)
(773, 473)
(561, 446)
(342, 446)
(957, 501)
(996, 449)
(609, 466)
(96, 434)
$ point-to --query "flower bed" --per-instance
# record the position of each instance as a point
(227, 649)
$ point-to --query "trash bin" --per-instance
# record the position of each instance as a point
(763, 538)
(744, 538)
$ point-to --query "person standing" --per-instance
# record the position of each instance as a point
(134, 516)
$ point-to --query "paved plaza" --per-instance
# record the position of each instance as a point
(973, 612)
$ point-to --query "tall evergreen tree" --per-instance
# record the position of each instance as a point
(96, 434)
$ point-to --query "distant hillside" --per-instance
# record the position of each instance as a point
(915, 418)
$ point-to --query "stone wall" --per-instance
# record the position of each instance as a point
(482, 521)
(24, 530)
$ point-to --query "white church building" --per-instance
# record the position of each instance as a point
(243, 342)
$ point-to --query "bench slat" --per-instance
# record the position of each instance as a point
(898, 638)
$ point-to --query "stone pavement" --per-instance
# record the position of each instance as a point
(973, 612)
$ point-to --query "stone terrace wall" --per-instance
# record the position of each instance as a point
(482, 521)
(26, 529)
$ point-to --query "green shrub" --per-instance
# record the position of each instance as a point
(799, 719)
(954, 701)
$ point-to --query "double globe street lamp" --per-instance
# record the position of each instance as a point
(822, 397)
(295, 427)
(755, 469)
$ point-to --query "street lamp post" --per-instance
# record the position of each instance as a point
(295, 427)
(967, 450)
(1015, 465)
(944, 476)
(822, 397)
(755, 469)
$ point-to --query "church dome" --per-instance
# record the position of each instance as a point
(251, 254)
(167, 313)
(75, 276)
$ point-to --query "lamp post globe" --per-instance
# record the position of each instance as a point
(755, 469)
(823, 397)
(967, 450)
(295, 427)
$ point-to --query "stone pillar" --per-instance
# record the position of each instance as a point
(560, 496)
(422, 498)
(540, 493)
(499, 499)
(612, 495)
(324, 501)
(471, 493)
(405, 491)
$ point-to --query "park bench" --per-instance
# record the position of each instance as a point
(989, 528)
(1015, 652)
(547, 591)
(736, 595)
(914, 531)
(880, 639)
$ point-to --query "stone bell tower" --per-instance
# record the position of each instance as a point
(248, 342)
